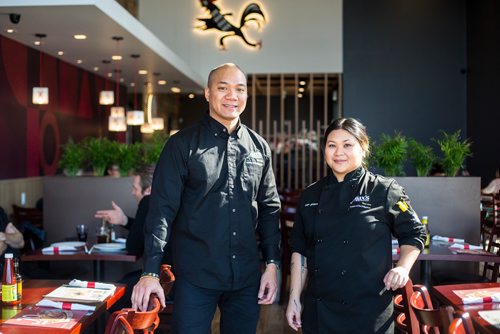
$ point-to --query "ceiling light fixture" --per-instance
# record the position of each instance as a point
(191, 96)
(60, 53)
(143, 72)
(80, 36)
(162, 82)
(106, 96)
(136, 116)
(117, 121)
(175, 90)
(10, 31)
(40, 94)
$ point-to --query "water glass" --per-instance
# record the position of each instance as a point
(82, 232)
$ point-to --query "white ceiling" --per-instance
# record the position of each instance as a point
(100, 20)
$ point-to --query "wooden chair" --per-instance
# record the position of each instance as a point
(431, 320)
(167, 280)
(139, 322)
(406, 321)
(32, 216)
(461, 324)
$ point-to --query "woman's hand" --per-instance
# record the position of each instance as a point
(396, 278)
(293, 313)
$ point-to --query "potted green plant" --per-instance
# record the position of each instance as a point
(72, 158)
(126, 158)
(98, 152)
(421, 156)
(454, 151)
(389, 154)
(152, 150)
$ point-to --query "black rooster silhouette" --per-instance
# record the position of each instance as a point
(218, 21)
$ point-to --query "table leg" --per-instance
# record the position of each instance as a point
(425, 273)
(98, 271)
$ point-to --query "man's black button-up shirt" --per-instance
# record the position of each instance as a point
(211, 192)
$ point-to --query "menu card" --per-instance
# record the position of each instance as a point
(79, 295)
(46, 317)
(475, 296)
(492, 317)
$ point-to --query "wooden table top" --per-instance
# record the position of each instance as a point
(80, 256)
(33, 291)
(445, 294)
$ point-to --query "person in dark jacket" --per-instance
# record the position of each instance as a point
(341, 242)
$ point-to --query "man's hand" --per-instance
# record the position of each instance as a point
(268, 284)
(396, 278)
(12, 237)
(114, 216)
(294, 313)
(3, 246)
(143, 290)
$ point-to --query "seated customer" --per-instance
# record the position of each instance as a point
(141, 189)
(11, 240)
(494, 186)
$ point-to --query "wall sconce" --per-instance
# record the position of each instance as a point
(40, 94)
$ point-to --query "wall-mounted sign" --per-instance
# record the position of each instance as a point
(217, 20)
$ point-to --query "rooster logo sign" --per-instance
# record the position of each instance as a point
(218, 21)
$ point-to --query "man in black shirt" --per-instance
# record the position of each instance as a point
(212, 189)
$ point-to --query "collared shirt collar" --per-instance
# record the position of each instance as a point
(349, 177)
(220, 130)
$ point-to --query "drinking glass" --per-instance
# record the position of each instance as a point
(82, 232)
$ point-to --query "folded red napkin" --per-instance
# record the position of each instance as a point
(495, 298)
(65, 306)
(57, 250)
(93, 285)
(447, 239)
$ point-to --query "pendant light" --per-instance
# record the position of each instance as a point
(40, 94)
(136, 116)
(106, 96)
(117, 121)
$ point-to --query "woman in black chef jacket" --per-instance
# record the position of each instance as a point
(341, 242)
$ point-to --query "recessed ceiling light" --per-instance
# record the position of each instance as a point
(302, 83)
(37, 42)
(116, 57)
(80, 36)
(132, 84)
(191, 96)
(175, 90)
(162, 82)
(143, 72)
(60, 53)
(79, 61)
(96, 68)
(301, 89)
(299, 95)
(10, 31)
(110, 75)
(122, 80)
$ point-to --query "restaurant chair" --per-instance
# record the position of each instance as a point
(431, 320)
(140, 322)
(30, 222)
(167, 280)
(405, 319)
(461, 324)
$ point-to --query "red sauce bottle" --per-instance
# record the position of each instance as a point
(9, 282)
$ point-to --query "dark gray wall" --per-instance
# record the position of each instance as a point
(404, 64)
(483, 92)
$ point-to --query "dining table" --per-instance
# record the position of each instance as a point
(33, 292)
(97, 258)
(446, 295)
(440, 251)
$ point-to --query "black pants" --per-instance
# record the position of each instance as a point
(194, 309)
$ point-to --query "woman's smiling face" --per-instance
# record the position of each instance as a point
(343, 153)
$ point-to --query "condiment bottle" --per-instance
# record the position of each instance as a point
(425, 221)
(9, 283)
(19, 280)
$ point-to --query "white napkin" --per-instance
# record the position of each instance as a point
(57, 250)
(396, 251)
(465, 246)
(395, 242)
(94, 285)
(447, 239)
(65, 306)
(494, 298)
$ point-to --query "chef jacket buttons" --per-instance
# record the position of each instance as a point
(343, 301)
(343, 272)
(317, 270)
(319, 241)
(346, 242)
(320, 211)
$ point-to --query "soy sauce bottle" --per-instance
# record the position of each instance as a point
(9, 282)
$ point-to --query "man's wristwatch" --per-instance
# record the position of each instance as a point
(275, 262)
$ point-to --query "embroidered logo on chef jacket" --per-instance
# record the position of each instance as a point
(361, 201)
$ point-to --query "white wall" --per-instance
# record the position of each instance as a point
(298, 37)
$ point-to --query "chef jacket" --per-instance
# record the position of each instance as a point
(344, 230)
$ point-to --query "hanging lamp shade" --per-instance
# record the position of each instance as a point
(117, 112)
(40, 95)
(135, 117)
(106, 97)
(117, 124)
(147, 128)
(157, 123)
